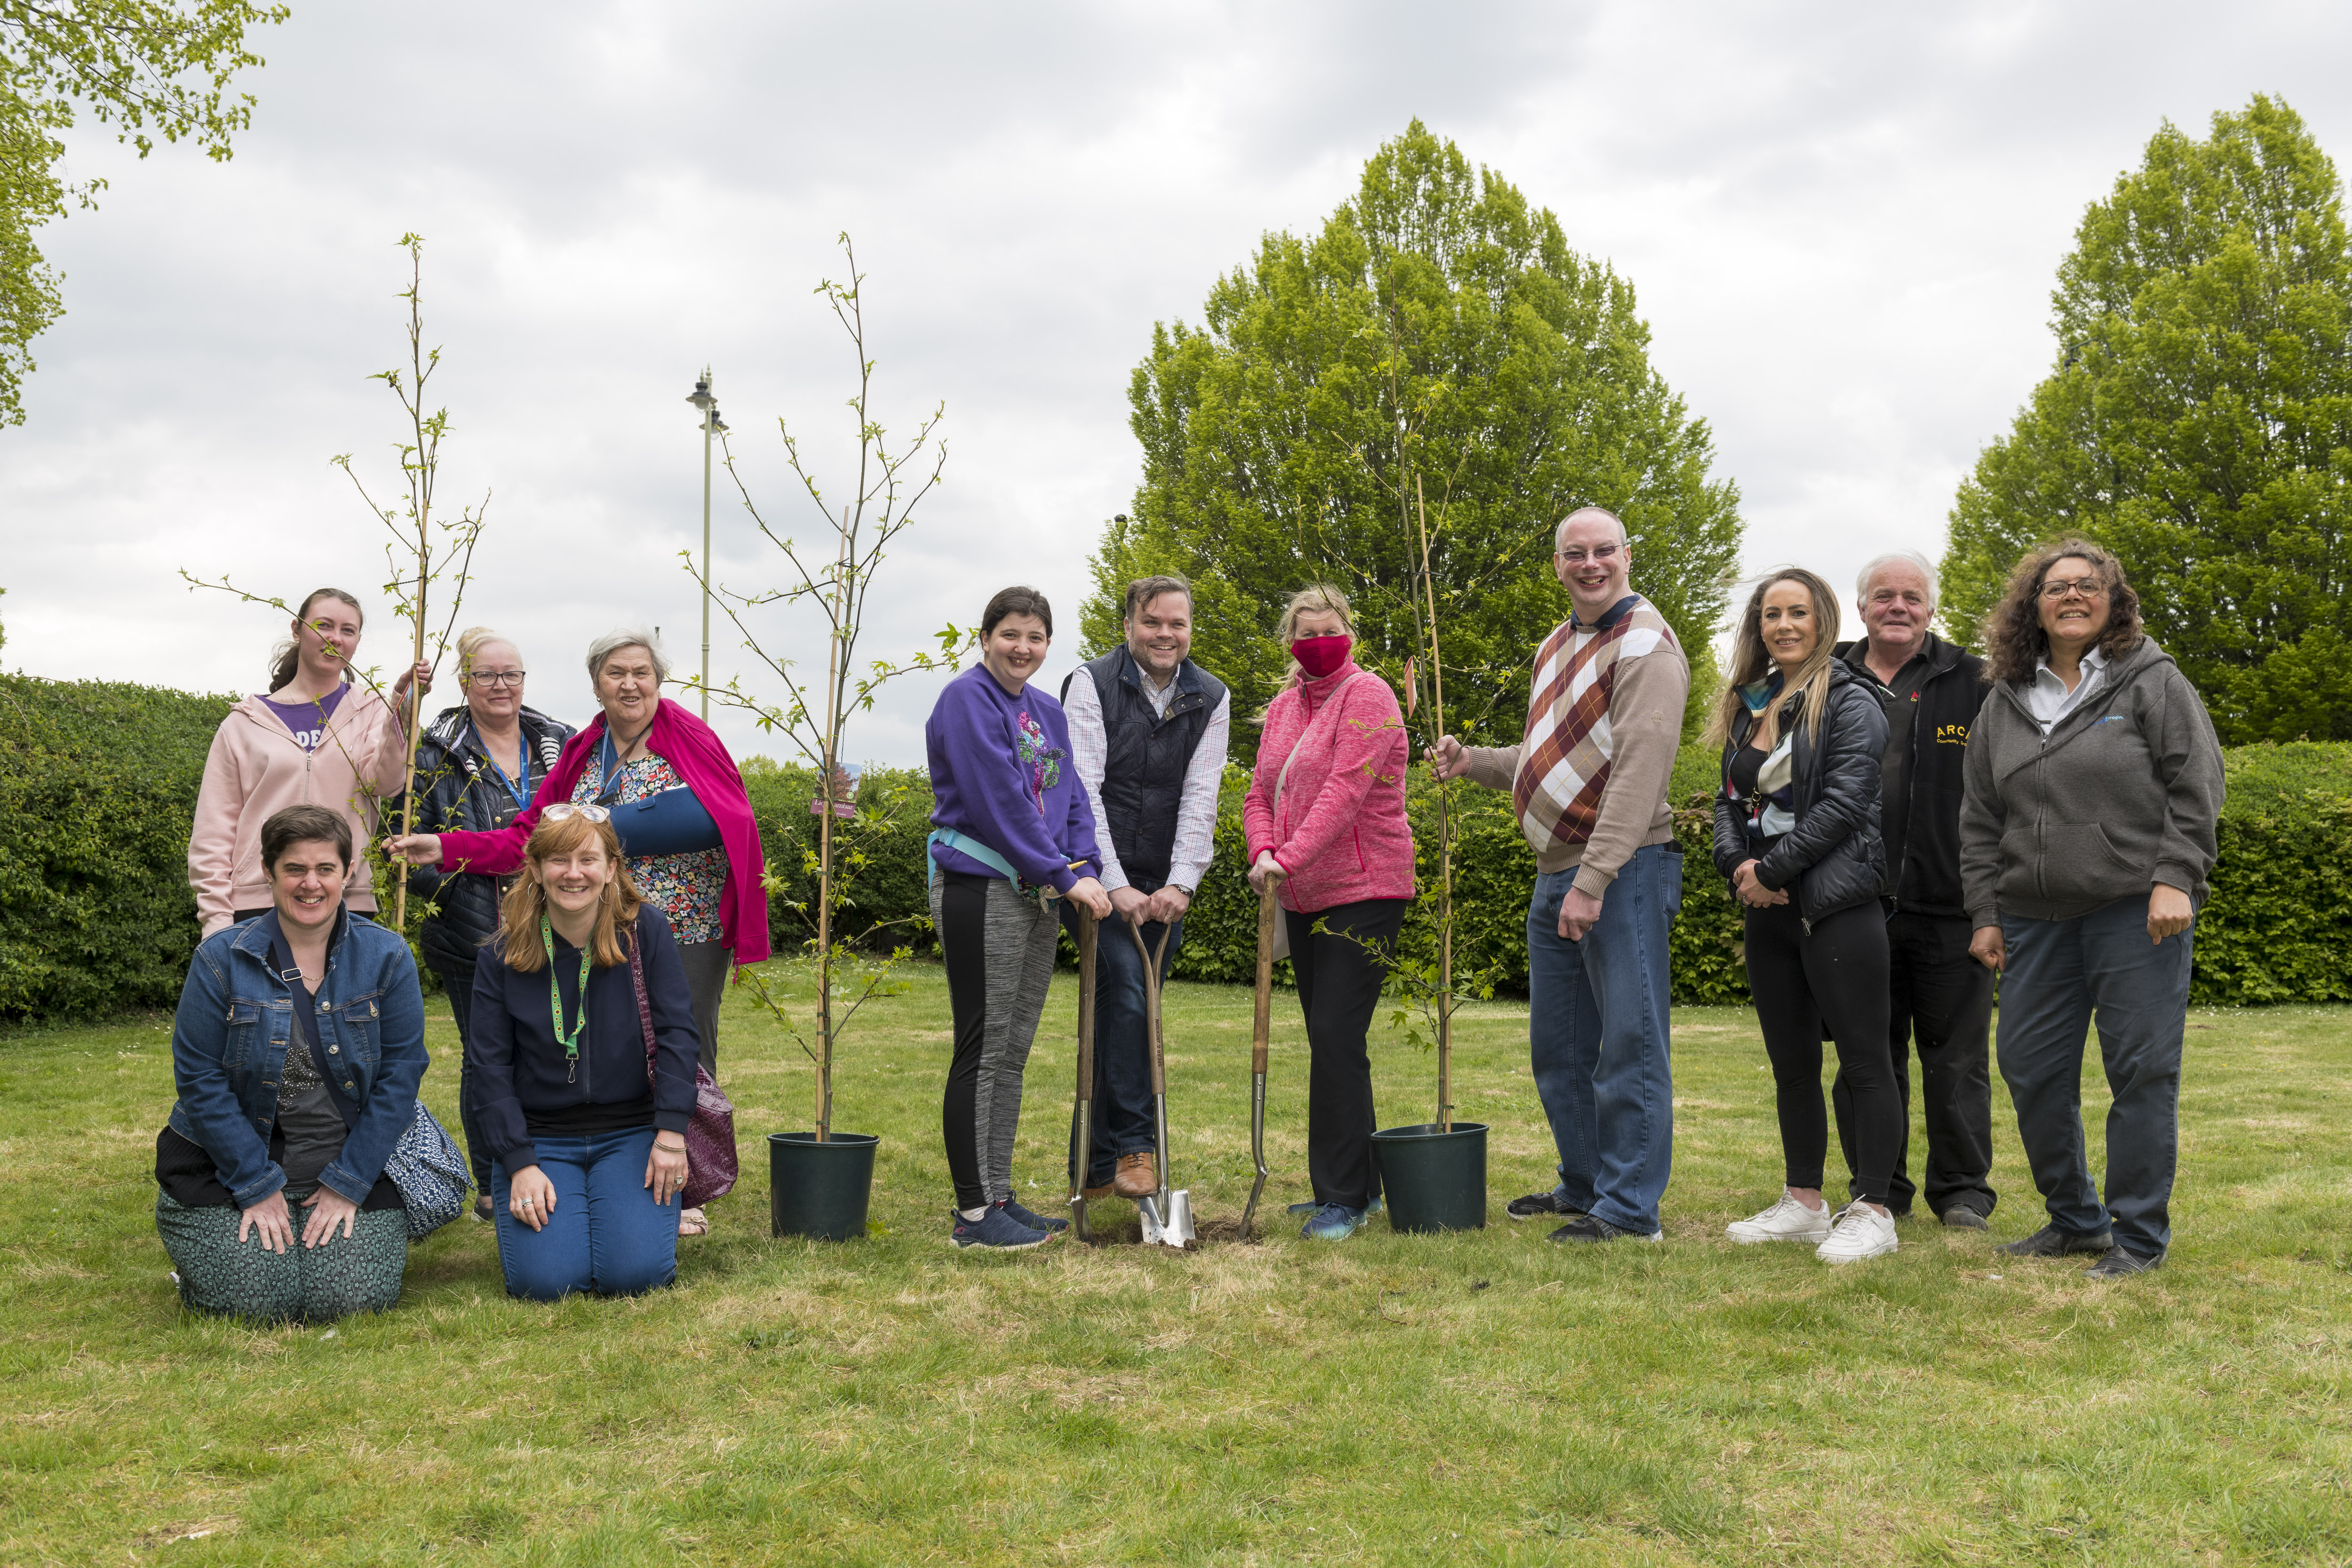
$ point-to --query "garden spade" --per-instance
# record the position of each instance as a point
(1260, 1033)
(1082, 1131)
(1167, 1216)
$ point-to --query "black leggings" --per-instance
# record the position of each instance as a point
(1340, 977)
(1833, 980)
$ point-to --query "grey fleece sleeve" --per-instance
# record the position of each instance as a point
(2189, 759)
(1981, 820)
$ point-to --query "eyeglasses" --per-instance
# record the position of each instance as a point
(564, 809)
(2058, 588)
(494, 677)
(1578, 557)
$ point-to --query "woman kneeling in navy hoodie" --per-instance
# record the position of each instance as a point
(586, 1069)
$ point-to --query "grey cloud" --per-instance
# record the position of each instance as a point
(1842, 225)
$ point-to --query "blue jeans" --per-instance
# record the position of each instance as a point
(1121, 1111)
(1599, 1033)
(606, 1234)
(2062, 974)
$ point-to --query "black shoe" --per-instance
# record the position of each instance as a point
(1034, 1221)
(1587, 1227)
(1959, 1216)
(2119, 1262)
(2052, 1242)
(1544, 1204)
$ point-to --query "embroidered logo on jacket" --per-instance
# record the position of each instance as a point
(1952, 734)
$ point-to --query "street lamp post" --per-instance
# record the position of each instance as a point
(711, 426)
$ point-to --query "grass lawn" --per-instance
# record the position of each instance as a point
(1483, 1397)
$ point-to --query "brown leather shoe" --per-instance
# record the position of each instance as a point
(1093, 1193)
(1139, 1175)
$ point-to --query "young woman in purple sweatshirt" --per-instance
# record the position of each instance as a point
(1012, 832)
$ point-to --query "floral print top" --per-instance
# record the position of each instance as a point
(1041, 759)
(685, 888)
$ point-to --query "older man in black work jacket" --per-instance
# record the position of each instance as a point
(1148, 731)
(1932, 692)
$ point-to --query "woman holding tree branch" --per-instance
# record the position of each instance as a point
(477, 768)
(1326, 822)
(677, 802)
(1012, 832)
(310, 741)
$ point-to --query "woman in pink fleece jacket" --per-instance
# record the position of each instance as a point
(314, 739)
(1326, 824)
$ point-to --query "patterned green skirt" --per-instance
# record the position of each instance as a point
(358, 1273)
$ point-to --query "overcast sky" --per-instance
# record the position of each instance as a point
(1843, 223)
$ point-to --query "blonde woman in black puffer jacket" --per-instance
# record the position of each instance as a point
(1796, 833)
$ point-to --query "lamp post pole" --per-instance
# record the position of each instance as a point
(711, 426)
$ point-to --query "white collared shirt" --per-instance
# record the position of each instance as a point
(1196, 812)
(2049, 700)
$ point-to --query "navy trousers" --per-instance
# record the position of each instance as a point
(2062, 977)
(1120, 1113)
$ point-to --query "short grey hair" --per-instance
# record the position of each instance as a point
(1624, 541)
(1877, 563)
(613, 641)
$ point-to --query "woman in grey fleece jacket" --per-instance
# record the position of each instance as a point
(2086, 832)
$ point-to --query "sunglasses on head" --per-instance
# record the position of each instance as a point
(563, 809)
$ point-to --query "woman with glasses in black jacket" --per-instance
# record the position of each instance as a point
(476, 767)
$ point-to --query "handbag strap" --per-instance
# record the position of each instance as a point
(645, 1008)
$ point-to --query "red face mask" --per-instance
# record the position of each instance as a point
(1318, 656)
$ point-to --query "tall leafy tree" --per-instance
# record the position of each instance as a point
(1437, 338)
(150, 68)
(2199, 422)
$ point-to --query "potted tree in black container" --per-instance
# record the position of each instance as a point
(821, 1181)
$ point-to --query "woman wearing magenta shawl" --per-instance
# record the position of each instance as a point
(677, 803)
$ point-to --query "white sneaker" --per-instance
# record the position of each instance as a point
(1787, 1220)
(1860, 1232)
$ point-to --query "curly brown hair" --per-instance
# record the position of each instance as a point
(2013, 638)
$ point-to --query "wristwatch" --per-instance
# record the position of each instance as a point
(1183, 890)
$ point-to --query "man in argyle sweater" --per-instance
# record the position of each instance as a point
(1589, 780)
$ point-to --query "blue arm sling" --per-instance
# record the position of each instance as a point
(670, 823)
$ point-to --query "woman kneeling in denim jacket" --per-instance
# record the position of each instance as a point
(297, 1049)
(587, 1156)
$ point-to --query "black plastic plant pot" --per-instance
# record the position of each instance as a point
(1433, 1181)
(820, 1190)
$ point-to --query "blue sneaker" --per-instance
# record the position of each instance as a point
(1334, 1222)
(1310, 1206)
(1034, 1221)
(996, 1230)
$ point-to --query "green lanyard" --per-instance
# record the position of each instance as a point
(570, 1042)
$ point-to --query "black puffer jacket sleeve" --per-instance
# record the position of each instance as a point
(1730, 825)
(1834, 855)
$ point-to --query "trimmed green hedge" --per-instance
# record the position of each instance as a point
(2279, 926)
(98, 785)
(98, 782)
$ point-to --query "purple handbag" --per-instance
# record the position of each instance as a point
(711, 1167)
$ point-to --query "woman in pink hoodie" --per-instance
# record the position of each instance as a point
(1326, 822)
(313, 739)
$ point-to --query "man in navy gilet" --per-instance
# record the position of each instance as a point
(1148, 730)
